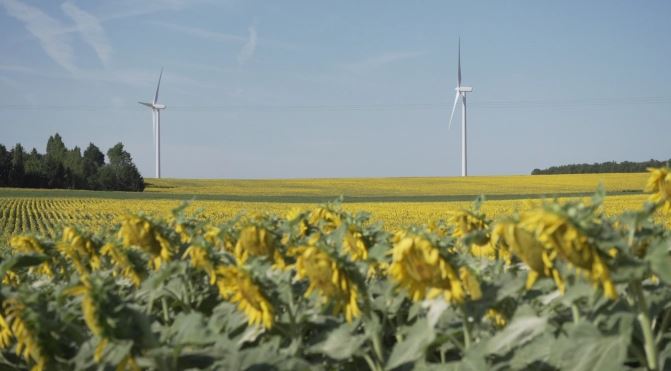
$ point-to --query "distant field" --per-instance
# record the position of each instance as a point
(376, 187)
(396, 202)
(365, 189)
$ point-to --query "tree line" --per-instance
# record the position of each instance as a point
(603, 167)
(61, 167)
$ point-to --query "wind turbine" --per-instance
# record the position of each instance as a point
(156, 122)
(461, 93)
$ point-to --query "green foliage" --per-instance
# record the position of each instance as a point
(67, 168)
(603, 167)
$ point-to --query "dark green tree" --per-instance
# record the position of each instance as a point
(5, 166)
(605, 167)
(120, 172)
(93, 160)
(36, 172)
(17, 171)
(56, 149)
(61, 167)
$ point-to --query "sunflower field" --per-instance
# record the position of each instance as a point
(556, 285)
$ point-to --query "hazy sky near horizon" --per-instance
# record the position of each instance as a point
(274, 89)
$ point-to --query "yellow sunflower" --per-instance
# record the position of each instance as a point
(237, 286)
(27, 342)
(30, 245)
(212, 234)
(200, 258)
(327, 280)
(5, 333)
(81, 251)
(329, 219)
(140, 232)
(497, 318)
(524, 245)
(659, 184)
(465, 222)
(418, 267)
(257, 241)
(561, 238)
(92, 312)
(354, 244)
(120, 257)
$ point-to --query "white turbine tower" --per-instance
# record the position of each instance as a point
(156, 122)
(461, 93)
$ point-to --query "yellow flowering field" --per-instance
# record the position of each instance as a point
(45, 216)
(472, 185)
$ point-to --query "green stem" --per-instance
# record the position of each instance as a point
(375, 338)
(455, 342)
(371, 364)
(377, 346)
(663, 326)
(644, 320)
(164, 304)
(467, 334)
(576, 313)
(468, 339)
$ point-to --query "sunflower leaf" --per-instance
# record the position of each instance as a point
(524, 327)
(413, 347)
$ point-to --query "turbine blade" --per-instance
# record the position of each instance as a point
(158, 86)
(459, 66)
(456, 100)
(147, 104)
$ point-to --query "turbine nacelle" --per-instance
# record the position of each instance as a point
(464, 89)
(153, 105)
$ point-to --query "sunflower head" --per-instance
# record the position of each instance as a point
(327, 279)
(466, 222)
(27, 244)
(497, 318)
(237, 286)
(80, 249)
(139, 231)
(325, 218)
(201, 258)
(31, 245)
(98, 298)
(126, 262)
(182, 231)
(20, 319)
(354, 245)
(659, 184)
(258, 241)
(562, 239)
(213, 235)
(418, 267)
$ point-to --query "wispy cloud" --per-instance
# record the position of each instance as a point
(227, 38)
(120, 9)
(203, 34)
(380, 60)
(46, 29)
(90, 29)
(248, 50)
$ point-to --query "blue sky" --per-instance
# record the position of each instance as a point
(270, 89)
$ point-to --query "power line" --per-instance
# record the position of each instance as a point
(491, 104)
